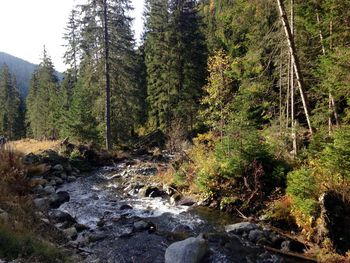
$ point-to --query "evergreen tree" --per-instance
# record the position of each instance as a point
(107, 46)
(44, 101)
(11, 106)
(175, 61)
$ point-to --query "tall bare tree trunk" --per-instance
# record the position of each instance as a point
(295, 61)
(107, 76)
(292, 87)
(331, 103)
(280, 95)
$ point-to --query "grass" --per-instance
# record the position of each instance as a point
(14, 245)
(19, 235)
(26, 146)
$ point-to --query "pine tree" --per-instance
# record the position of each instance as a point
(176, 62)
(11, 106)
(108, 46)
(44, 101)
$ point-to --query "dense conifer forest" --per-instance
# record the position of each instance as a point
(255, 93)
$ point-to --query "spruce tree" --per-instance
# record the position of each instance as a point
(44, 101)
(11, 106)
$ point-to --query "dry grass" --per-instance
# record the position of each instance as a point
(26, 146)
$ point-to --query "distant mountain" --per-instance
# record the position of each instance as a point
(22, 69)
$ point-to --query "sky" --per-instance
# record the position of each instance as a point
(27, 25)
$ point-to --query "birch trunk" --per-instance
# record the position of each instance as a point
(331, 104)
(295, 61)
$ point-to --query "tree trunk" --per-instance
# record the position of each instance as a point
(331, 104)
(107, 76)
(292, 88)
(295, 61)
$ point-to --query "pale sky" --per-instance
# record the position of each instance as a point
(27, 25)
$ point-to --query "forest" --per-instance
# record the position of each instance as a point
(253, 94)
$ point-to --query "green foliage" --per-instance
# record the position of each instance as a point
(303, 189)
(11, 106)
(80, 123)
(336, 156)
(44, 101)
(175, 57)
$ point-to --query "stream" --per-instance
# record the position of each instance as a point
(123, 227)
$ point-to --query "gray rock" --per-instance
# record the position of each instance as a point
(4, 216)
(63, 176)
(255, 235)
(97, 237)
(58, 181)
(52, 182)
(150, 191)
(125, 207)
(30, 159)
(175, 198)
(58, 167)
(240, 228)
(186, 202)
(141, 225)
(42, 203)
(58, 216)
(70, 233)
(49, 189)
(125, 232)
(190, 250)
(59, 198)
(71, 178)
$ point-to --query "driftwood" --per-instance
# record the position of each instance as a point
(290, 254)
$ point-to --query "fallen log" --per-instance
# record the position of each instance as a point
(290, 254)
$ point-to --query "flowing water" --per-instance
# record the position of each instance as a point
(99, 201)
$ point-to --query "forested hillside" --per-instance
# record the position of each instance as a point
(256, 93)
(20, 68)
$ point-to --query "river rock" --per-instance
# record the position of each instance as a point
(63, 175)
(240, 228)
(59, 198)
(49, 189)
(70, 233)
(150, 191)
(38, 181)
(190, 250)
(97, 237)
(125, 231)
(141, 225)
(31, 159)
(71, 179)
(186, 202)
(175, 198)
(255, 235)
(42, 203)
(125, 207)
(58, 216)
(58, 167)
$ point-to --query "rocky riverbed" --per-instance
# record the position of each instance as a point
(115, 214)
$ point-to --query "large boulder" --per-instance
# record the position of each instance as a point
(58, 216)
(59, 198)
(190, 250)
